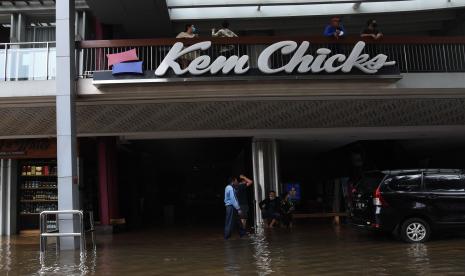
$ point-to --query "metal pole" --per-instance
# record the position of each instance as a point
(6, 58)
(48, 56)
(41, 224)
(83, 234)
(405, 57)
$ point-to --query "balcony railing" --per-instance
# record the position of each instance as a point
(27, 61)
(37, 60)
(412, 54)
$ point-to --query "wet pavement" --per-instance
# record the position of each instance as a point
(304, 250)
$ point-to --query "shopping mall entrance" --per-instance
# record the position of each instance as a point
(178, 182)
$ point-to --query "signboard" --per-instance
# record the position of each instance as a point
(28, 148)
(188, 63)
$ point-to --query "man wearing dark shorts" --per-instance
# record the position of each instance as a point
(242, 198)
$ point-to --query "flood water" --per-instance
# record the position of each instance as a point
(304, 250)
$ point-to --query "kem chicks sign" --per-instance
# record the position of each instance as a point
(183, 61)
(304, 63)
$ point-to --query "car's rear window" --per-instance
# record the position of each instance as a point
(369, 182)
(404, 183)
(444, 183)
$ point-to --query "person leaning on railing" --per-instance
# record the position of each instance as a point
(371, 30)
(224, 31)
(335, 28)
(189, 32)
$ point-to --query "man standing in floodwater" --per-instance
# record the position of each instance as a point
(241, 194)
(232, 206)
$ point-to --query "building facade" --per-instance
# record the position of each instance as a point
(89, 115)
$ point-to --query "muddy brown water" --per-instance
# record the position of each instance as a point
(304, 250)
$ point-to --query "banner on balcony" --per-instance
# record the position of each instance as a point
(284, 59)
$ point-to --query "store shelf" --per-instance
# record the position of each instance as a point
(37, 201)
(44, 176)
(41, 188)
(31, 214)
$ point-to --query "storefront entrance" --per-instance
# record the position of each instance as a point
(178, 182)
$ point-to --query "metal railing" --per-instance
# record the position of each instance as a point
(37, 60)
(421, 54)
(27, 61)
(44, 233)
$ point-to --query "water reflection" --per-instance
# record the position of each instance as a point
(262, 252)
(418, 258)
(304, 250)
(5, 254)
(68, 262)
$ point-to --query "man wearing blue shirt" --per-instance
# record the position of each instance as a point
(232, 205)
(334, 29)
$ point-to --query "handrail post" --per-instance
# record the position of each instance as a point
(44, 234)
(405, 57)
(42, 238)
(82, 244)
(47, 61)
(5, 65)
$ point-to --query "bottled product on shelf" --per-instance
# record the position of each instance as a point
(35, 184)
(39, 195)
(32, 170)
(35, 208)
(51, 225)
(38, 192)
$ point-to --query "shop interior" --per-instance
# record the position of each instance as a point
(325, 170)
(178, 182)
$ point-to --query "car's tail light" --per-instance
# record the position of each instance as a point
(378, 199)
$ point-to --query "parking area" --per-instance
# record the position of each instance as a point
(307, 249)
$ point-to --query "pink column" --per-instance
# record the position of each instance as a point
(107, 160)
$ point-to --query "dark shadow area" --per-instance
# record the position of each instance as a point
(178, 182)
(326, 169)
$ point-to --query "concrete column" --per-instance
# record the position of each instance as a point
(18, 28)
(8, 198)
(108, 186)
(68, 193)
(3, 198)
(266, 172)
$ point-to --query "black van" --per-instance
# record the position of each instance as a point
(410, 203)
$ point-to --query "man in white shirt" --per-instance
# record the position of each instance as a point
(225, 32)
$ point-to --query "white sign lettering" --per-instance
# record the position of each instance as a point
(301, 62)
(201, 65)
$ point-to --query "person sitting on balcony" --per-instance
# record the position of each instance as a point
(189, 32)
(224, 31)
(226, 50)
(371, 30)
(334, 28)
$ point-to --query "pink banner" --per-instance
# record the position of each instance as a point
(130, 55)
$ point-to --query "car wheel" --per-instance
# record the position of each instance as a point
(415, 230)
